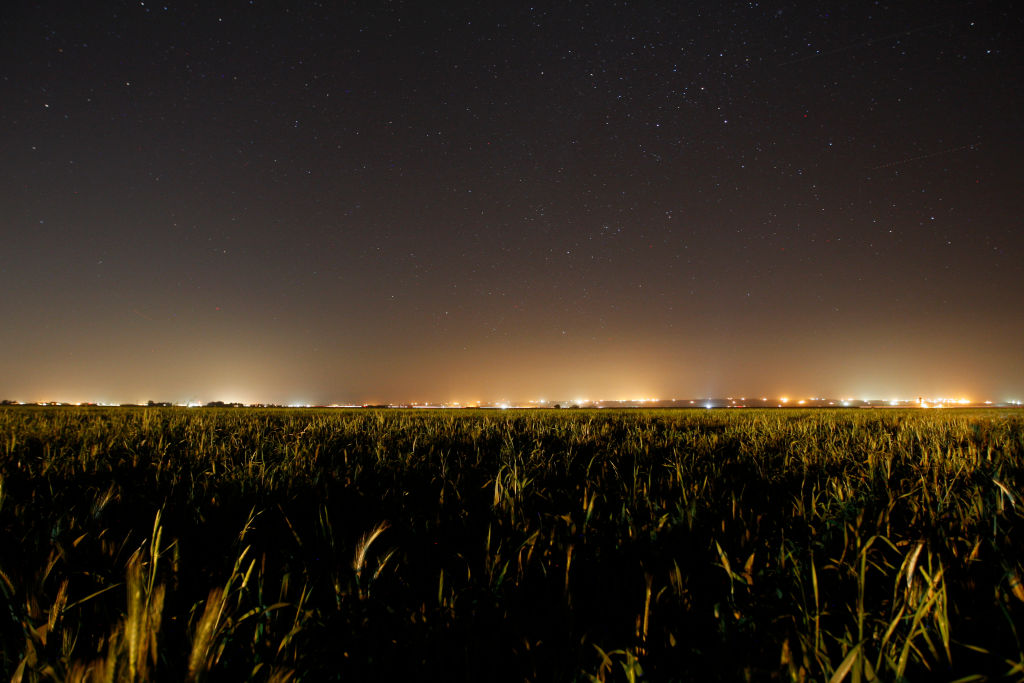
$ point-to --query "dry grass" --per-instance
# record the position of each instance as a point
(164, 544)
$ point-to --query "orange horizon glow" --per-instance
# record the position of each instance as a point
(920, 401)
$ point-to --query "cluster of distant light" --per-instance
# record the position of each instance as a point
(726, 402)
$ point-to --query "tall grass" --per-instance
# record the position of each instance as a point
(170, 544)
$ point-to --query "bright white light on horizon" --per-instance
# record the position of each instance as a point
(915, 400)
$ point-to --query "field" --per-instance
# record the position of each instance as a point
(230, 544)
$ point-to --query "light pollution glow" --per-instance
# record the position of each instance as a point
(717, 402)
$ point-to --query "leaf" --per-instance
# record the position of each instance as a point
(846, 665)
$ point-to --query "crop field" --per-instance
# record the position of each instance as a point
(241, 544)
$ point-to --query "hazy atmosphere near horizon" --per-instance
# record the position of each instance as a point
(367, 201)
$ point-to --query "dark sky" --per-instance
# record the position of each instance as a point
(370, 201)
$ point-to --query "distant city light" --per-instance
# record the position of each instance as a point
(917, 401)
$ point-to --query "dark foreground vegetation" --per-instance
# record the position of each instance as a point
(220, 544)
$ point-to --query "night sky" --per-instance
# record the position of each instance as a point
(385, 201)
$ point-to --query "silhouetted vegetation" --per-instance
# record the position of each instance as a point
(171, 544)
